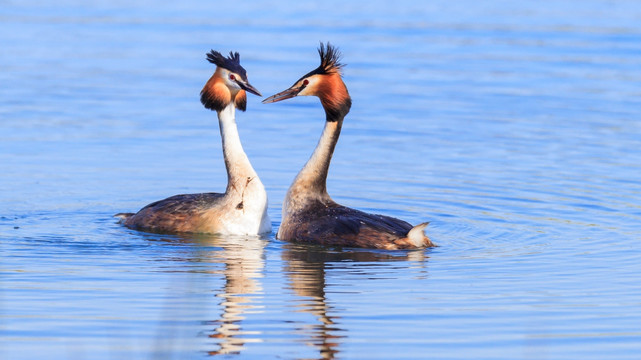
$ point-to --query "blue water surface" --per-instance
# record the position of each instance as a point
(513, 127)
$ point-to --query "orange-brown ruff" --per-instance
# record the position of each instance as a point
(242, 209)
(309, 213)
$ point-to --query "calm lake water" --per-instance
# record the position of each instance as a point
(513, 127)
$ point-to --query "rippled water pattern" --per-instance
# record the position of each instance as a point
(512, 126)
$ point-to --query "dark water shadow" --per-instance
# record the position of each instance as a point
(306, 268)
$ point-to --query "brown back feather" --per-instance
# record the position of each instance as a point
(336, 225)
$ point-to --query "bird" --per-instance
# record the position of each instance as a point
(242, 209)
(309, 215)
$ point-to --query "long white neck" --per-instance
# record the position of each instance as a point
(239, 169)
(311, 181)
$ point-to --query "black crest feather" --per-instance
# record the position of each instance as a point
(330, 58)
(330, 61)
(231, 63)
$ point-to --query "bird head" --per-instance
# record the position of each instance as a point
(229, 83)
(325, 82)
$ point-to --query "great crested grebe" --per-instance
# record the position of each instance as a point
(242, 209)
(309, 213)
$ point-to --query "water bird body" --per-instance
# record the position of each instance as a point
(309, 213)
(242, 209)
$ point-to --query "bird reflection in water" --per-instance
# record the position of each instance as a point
(242, 263)
(306, 268)
(242, 260)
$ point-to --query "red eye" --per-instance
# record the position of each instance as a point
(232, 77)
(305, 82)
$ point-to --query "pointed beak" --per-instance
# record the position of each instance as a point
(248, 87)
(284, 95)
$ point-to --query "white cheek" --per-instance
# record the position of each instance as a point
(232, 84)
(304, 92)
